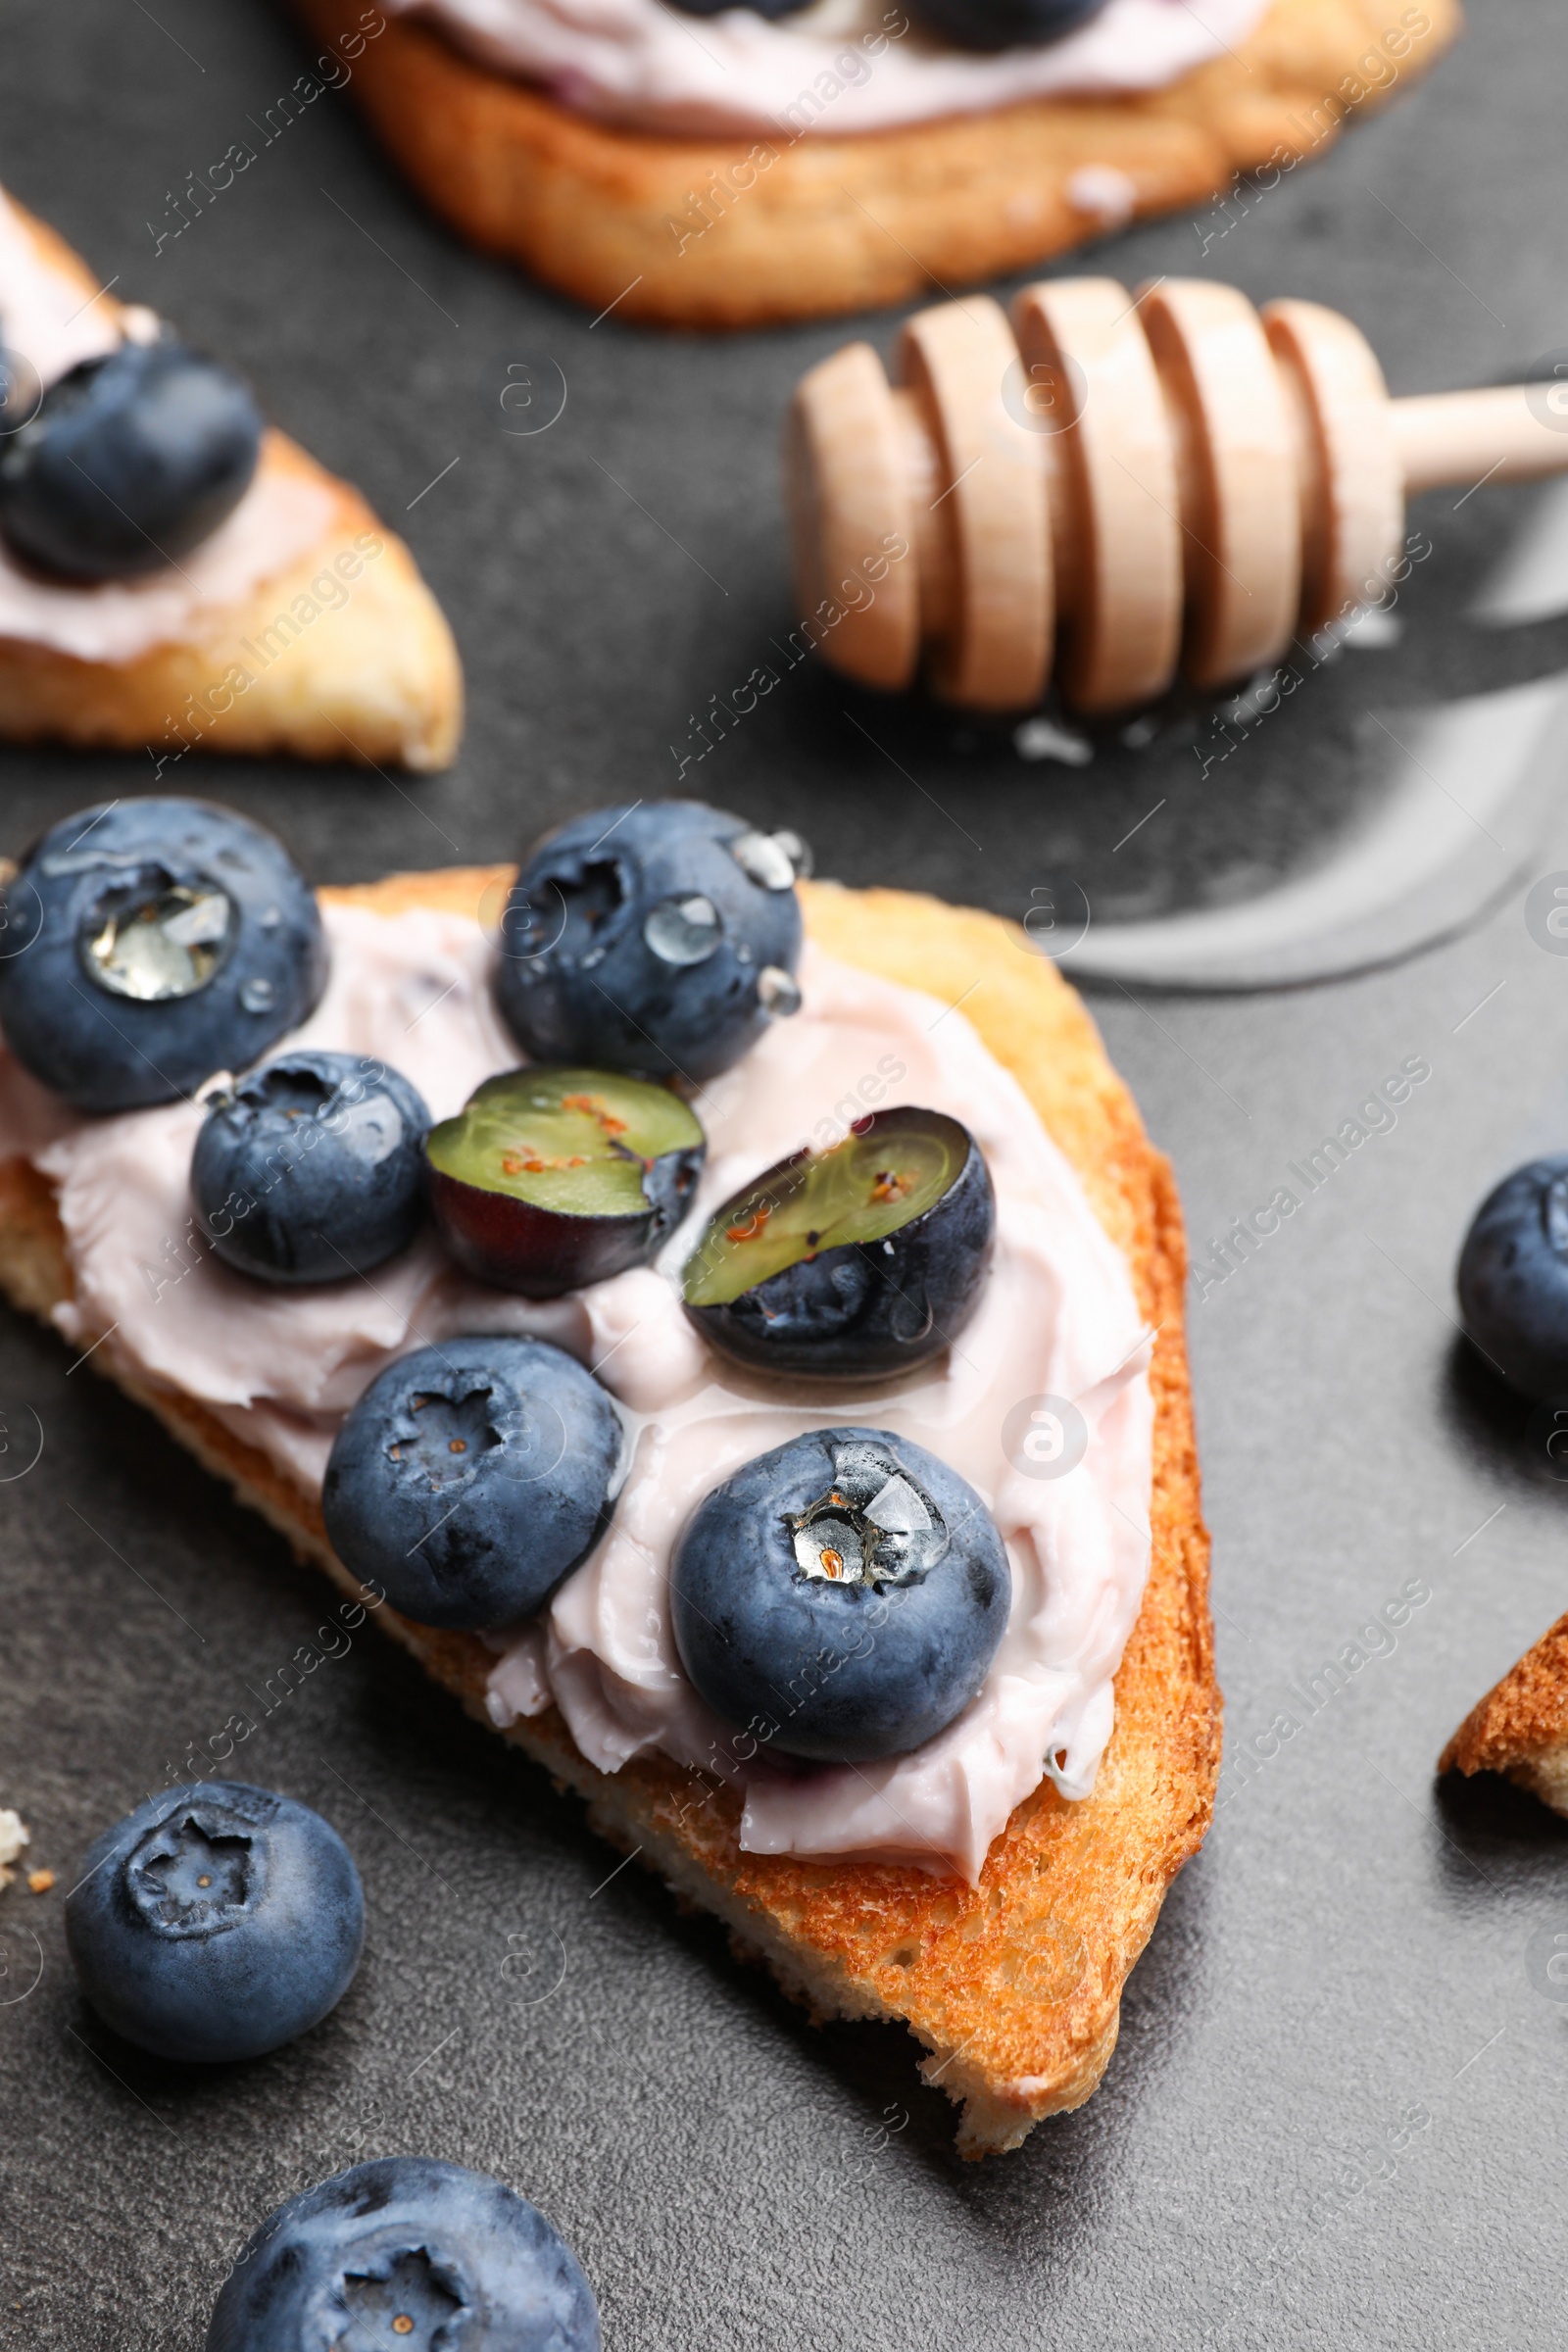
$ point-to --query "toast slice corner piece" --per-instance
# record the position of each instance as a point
(1013, 1986)
(1520, 1728)
(375, 680)
(826, 224)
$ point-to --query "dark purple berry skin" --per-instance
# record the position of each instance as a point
(131, 460)
(1513, 1278)
(216, 1923)
(865, 1309)
(773, 10)
(148, 943)
(872, 1655)
(471, 1477)
(411, 2251)
(989, 25)
(597, 964)
(311, 1168)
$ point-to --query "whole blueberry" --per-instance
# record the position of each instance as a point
(660, 938)
(470, 1477)
(993, 24)
(312, 1167)
(217, 1922)
(1513, 1278)
(847, 1591)
(146, 944)
(130, 462)
(409, 2252)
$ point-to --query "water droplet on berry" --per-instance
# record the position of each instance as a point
(161, 943)
(777, 991)
(683, 930)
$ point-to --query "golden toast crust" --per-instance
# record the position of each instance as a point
(849, 224)
(375, 680)
(1520, 1728)
(1014, 1985)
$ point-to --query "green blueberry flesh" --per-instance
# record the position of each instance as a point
(858, 1190)
(549, 1178)
(853, 1262)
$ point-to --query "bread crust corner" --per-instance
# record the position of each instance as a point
(1520, 1728)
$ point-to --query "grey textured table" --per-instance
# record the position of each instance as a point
(1334, 2115)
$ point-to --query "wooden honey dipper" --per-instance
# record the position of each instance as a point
(1171, 481)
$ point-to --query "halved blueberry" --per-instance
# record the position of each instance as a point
(216, 1921)
(848, 1590)
(312, 1167)
(471, 1477)
(549, 1179)
(412, 2252)
(129, 461)
(660, 938)
(993, 24)
(150, 943)
(1513, 1278)
(851, 1262)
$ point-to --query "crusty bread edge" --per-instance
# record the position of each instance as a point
(1520, 1728)
(1166, 1680)
(629, 221)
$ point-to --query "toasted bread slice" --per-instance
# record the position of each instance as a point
(1014, 1985)
(365, 668)
(1520, 1728)
(616, 218)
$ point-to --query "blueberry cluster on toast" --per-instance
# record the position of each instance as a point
(735, 1322)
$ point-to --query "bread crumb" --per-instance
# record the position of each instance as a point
(14, 1835)
(40, 1881)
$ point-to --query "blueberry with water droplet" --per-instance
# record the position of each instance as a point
(848, 1589)
(139, 960)
(407, 2251)
(639, 939)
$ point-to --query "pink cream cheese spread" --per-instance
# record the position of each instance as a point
(280, 1368)
(44, 317)
(839, 65)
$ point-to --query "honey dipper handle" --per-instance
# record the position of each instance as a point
(1513, 434)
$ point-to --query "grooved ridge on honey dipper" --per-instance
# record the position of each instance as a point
(1161, 481)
